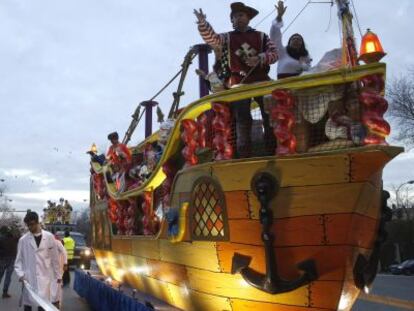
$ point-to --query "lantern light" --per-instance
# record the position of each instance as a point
(371, 48)
(94, 149)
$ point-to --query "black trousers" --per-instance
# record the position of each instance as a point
(29, 308)
(243, 118)
(66, 274)
(66, 277)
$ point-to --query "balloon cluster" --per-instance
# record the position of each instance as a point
(222, 132)
(375, 106)
(113, 210)
(130, 217)
(283, 122)
(99, 186)
(121, 220)
(202, 124)
(189, 137)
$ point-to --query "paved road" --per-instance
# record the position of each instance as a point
(71, 301)
(396, 286)
(401, 287)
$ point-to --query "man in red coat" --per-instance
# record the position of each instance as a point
(249, 54)
(118, 153)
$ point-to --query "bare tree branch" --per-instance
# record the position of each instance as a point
(400, 95)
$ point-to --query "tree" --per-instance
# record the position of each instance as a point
(403, 200)
(401, 109)
(7, 217)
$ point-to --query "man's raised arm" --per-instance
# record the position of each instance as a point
(206, 31)
(269, 55)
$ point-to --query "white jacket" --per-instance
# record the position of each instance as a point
(56, 291)
(286, 63)
(38, 265)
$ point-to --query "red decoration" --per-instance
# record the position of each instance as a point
(112, 210)
(130, 217)
(284, 120)
(99, 186)
(120, 223)
(202, 130)
(148, 217)
(189, 136)
(375, 106)
(222, 132)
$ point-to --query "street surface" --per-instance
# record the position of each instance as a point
(401, 287)
(71, 301)
(396, 286)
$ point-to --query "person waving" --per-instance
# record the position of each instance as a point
(294, 57)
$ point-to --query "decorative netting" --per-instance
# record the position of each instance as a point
(322, 118)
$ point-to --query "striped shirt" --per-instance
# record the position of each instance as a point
(267, 57)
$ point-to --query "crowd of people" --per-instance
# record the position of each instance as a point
(39, 259)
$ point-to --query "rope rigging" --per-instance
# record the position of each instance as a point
(356, 18)
(136, 117)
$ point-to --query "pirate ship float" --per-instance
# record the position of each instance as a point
(297, 230)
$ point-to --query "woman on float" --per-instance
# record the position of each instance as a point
(293, 58)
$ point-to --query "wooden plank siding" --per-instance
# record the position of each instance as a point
(233, 286)
(146, 248)
(318, 170)
(365, 165)
(192, 300)
(335, 229)
(248, 305)
(201, 255)
(122, 245)
(361, 198)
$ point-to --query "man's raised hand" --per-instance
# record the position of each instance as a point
(201, 17)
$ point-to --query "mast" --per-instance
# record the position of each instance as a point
(349, 52)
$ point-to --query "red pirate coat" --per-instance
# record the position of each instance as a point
(119, 154)
(242, 45)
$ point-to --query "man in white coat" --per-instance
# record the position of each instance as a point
(37, 261)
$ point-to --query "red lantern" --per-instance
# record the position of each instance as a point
(371, 48)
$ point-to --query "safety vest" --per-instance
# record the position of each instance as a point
(69, 246)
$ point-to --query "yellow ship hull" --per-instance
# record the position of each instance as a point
(327, 209)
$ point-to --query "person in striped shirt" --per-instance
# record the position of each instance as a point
(249, 56)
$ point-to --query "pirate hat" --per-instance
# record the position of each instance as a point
(241, 7)
(113, 135)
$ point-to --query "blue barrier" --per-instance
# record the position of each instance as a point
(102, 297)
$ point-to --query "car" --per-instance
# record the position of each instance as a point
(83, 255)
(406, 267)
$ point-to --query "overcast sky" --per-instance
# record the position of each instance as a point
(73, 71)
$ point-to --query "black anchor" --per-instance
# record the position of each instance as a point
(265, 187)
